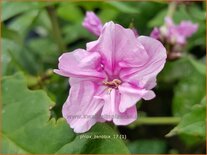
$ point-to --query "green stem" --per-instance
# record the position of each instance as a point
(56, 29)
(155, 121)
(171, 9)
(33, 82)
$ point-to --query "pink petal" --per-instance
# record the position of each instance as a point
(109, 105)
(179, 33)
(92, 23)
(80, 64)
(187, 28)
(153, 65)
(117, 44)
(169, 22)
(81, 110)
(135, 32)
(155, 33)
(111, 109)
(131, 95)
(127, 117)
(91, 46)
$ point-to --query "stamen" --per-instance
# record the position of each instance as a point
(112, 84)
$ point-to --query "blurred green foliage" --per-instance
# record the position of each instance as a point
(30, 46)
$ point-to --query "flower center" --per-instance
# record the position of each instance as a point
(112, 84)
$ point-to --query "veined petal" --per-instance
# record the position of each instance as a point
(131, 95)
(82, 110)
(117, 44)
(154, 64)
(108, 110)
(80, 64)
(127, 117)
(111, 110)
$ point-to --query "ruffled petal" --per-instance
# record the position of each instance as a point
(117, 44)
(80, 64)
(108, 110)
(127, 117)
(131, 95)
(111, 110)
(81, 109)
(140, 75)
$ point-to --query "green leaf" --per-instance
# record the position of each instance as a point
(200, 67)
(196, 12)
(70, 12)
(158, 20)
(123, 7)
(48, 52)
(142, 146)
(183, 67)
(189, 76)
(11, 34)
(27, 127)
(90, 5)
(180, 14)
(193, 123)
(18, 57)
(139, 22)
(108, 14)
(174, 70)
(190, 89)
(73, 32)
(43, 27)
(24, 22)
(11, 9)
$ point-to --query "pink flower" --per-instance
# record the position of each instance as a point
(92, 23)
(174, 34)
(135, 32)
(155, 33)
(109, 77)
(179, 33)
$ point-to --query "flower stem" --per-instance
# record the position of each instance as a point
(56, 29)
(155, 121)
(35, 82)
(171, 9)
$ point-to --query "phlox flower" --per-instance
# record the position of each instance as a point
(94, 25)
(174, 34)
(109, 77)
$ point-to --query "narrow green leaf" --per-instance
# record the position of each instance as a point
(12, 8)
(10, 34)
(123, 7)
(70, 12)
(18, 57)
(158, 20)
(200, 67)
(24, 22)
(108, 14)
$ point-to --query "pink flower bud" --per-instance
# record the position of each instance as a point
(92, 23)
